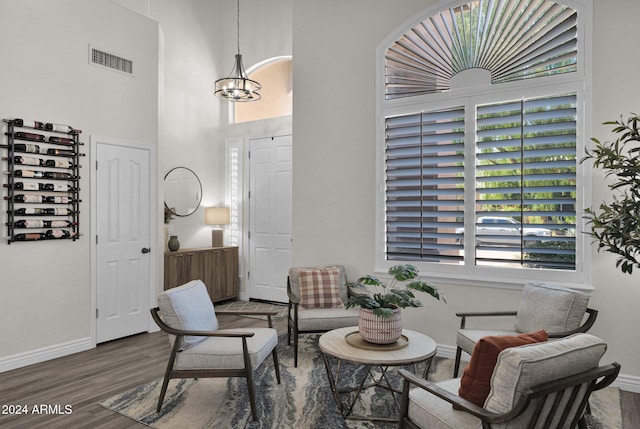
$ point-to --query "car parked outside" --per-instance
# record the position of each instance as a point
(505, 230)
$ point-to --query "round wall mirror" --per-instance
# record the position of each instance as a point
(182, 191)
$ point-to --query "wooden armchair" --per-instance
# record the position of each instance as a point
(317, 298)
(200, 350)
(559, 311)
(543, 385)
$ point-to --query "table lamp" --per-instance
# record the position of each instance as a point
(217, 216)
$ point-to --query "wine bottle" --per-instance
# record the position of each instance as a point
(32, 186)
(60, 163)
(59, 233)
(38, 211)
(27, 186)
(57, 187)
(60, 152)
(30, 136)
(30, 211)
(56, 175)
(26, 147)
(28, 173)
(61, 140)
(58, 127)
(31, 223)
(27, 160)
(23, 223)
(19, 122)
(30, 236)
(57, 200)
(47, 199)
(22, 198)
(42, 174)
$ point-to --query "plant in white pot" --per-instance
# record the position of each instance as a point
(380, 307)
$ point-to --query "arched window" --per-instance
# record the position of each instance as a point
(483, 127)
(276, 79)
(512, 40)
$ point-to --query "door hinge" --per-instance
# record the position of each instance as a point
(96, 313)
(249, 235)
(248, 274)
(96, 164)
(96, 238)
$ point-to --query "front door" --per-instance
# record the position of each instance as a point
(270, 223)
(123, 240)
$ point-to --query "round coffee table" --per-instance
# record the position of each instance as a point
(412, 349)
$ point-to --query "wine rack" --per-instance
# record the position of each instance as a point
(42, 170)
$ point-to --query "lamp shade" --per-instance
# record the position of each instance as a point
(217, 216)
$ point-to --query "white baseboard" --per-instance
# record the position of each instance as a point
(628, 383)
(448, 352)
(44, 354)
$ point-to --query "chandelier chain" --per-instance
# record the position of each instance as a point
(238, 26)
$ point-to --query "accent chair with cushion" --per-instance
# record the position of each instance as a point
(317, 298)
(558, 311)
(200, 350)
(538, 385)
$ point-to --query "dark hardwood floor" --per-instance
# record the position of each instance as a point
(82, 380)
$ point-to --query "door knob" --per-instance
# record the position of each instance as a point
(146, 250)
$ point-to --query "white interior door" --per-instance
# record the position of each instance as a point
(270, 196)
(123, 241)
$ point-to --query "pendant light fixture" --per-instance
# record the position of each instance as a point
(237, 86)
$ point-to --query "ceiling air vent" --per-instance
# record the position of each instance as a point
(106, 59)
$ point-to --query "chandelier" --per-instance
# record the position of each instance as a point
(237, 86)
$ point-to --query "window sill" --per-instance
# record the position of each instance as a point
(492, 281)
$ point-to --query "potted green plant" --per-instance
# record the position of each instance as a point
(616, 225)
(380, 304)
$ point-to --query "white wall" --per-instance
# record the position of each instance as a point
(334, 156)
(45, 75)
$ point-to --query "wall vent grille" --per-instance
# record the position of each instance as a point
(105, 59)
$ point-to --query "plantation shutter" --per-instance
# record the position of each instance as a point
(512, 39)
(526, 183)
(425, 186)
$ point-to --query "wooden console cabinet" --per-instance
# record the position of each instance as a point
(217, 267)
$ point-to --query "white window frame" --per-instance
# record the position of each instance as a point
(578, 82)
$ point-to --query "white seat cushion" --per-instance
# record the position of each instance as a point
(310, 319)
(429, 411)
(226, 353)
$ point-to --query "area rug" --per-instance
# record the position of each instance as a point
(303, 400)
(255, 306)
